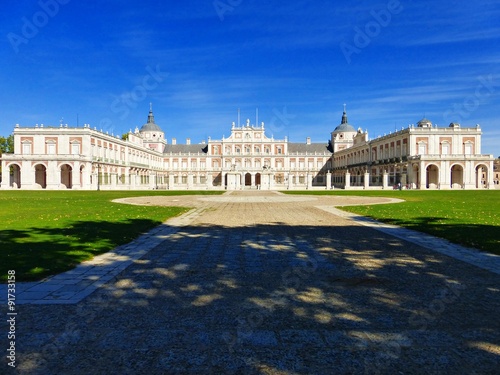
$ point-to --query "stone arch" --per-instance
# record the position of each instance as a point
(257, 179)
(66, 176)
(482, 176)
(248, 179)
(432, 176)
(41, 176)
(15, 175)
(457, 176)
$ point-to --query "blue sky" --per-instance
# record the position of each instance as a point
(392, 62)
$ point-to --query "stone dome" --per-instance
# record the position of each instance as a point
(150, 126)
(344, 128)
(344, 125)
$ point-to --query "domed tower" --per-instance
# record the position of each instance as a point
(152, 135)
(343, 135)
(424, 123)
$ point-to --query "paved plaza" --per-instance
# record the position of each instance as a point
(257, 282)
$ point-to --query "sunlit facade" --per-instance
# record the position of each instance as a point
(84, 158)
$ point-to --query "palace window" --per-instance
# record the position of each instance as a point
(445, 148)
(422, 148)
(26, 148)
(75, 148)
(468, 147)
(51, 148)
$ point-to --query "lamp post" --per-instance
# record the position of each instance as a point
(98, 174)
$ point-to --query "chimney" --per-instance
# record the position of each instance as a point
(308, 140)
(174, 141)
(188, 141)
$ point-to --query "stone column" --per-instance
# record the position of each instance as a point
(133, 180)
(366, 180)
(385, 180)
(75, 175)
(5, 176)
(94, 176)
(347, 183)
(423, 177)
(112, 177)
(309, 178)
(53, 176)
(328, 180)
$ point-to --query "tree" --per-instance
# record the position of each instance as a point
(6, 144)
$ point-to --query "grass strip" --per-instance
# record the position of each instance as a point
(47, 232)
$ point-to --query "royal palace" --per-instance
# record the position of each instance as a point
(421, 156)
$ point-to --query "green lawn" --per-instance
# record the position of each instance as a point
(48, 232)
(468, 217)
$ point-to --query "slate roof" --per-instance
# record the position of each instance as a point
(194, 148)
(310, 148)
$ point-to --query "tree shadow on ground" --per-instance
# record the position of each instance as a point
(278, 299)
(40, 252)
(471, 235)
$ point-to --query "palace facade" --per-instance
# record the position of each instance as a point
(423, 157)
